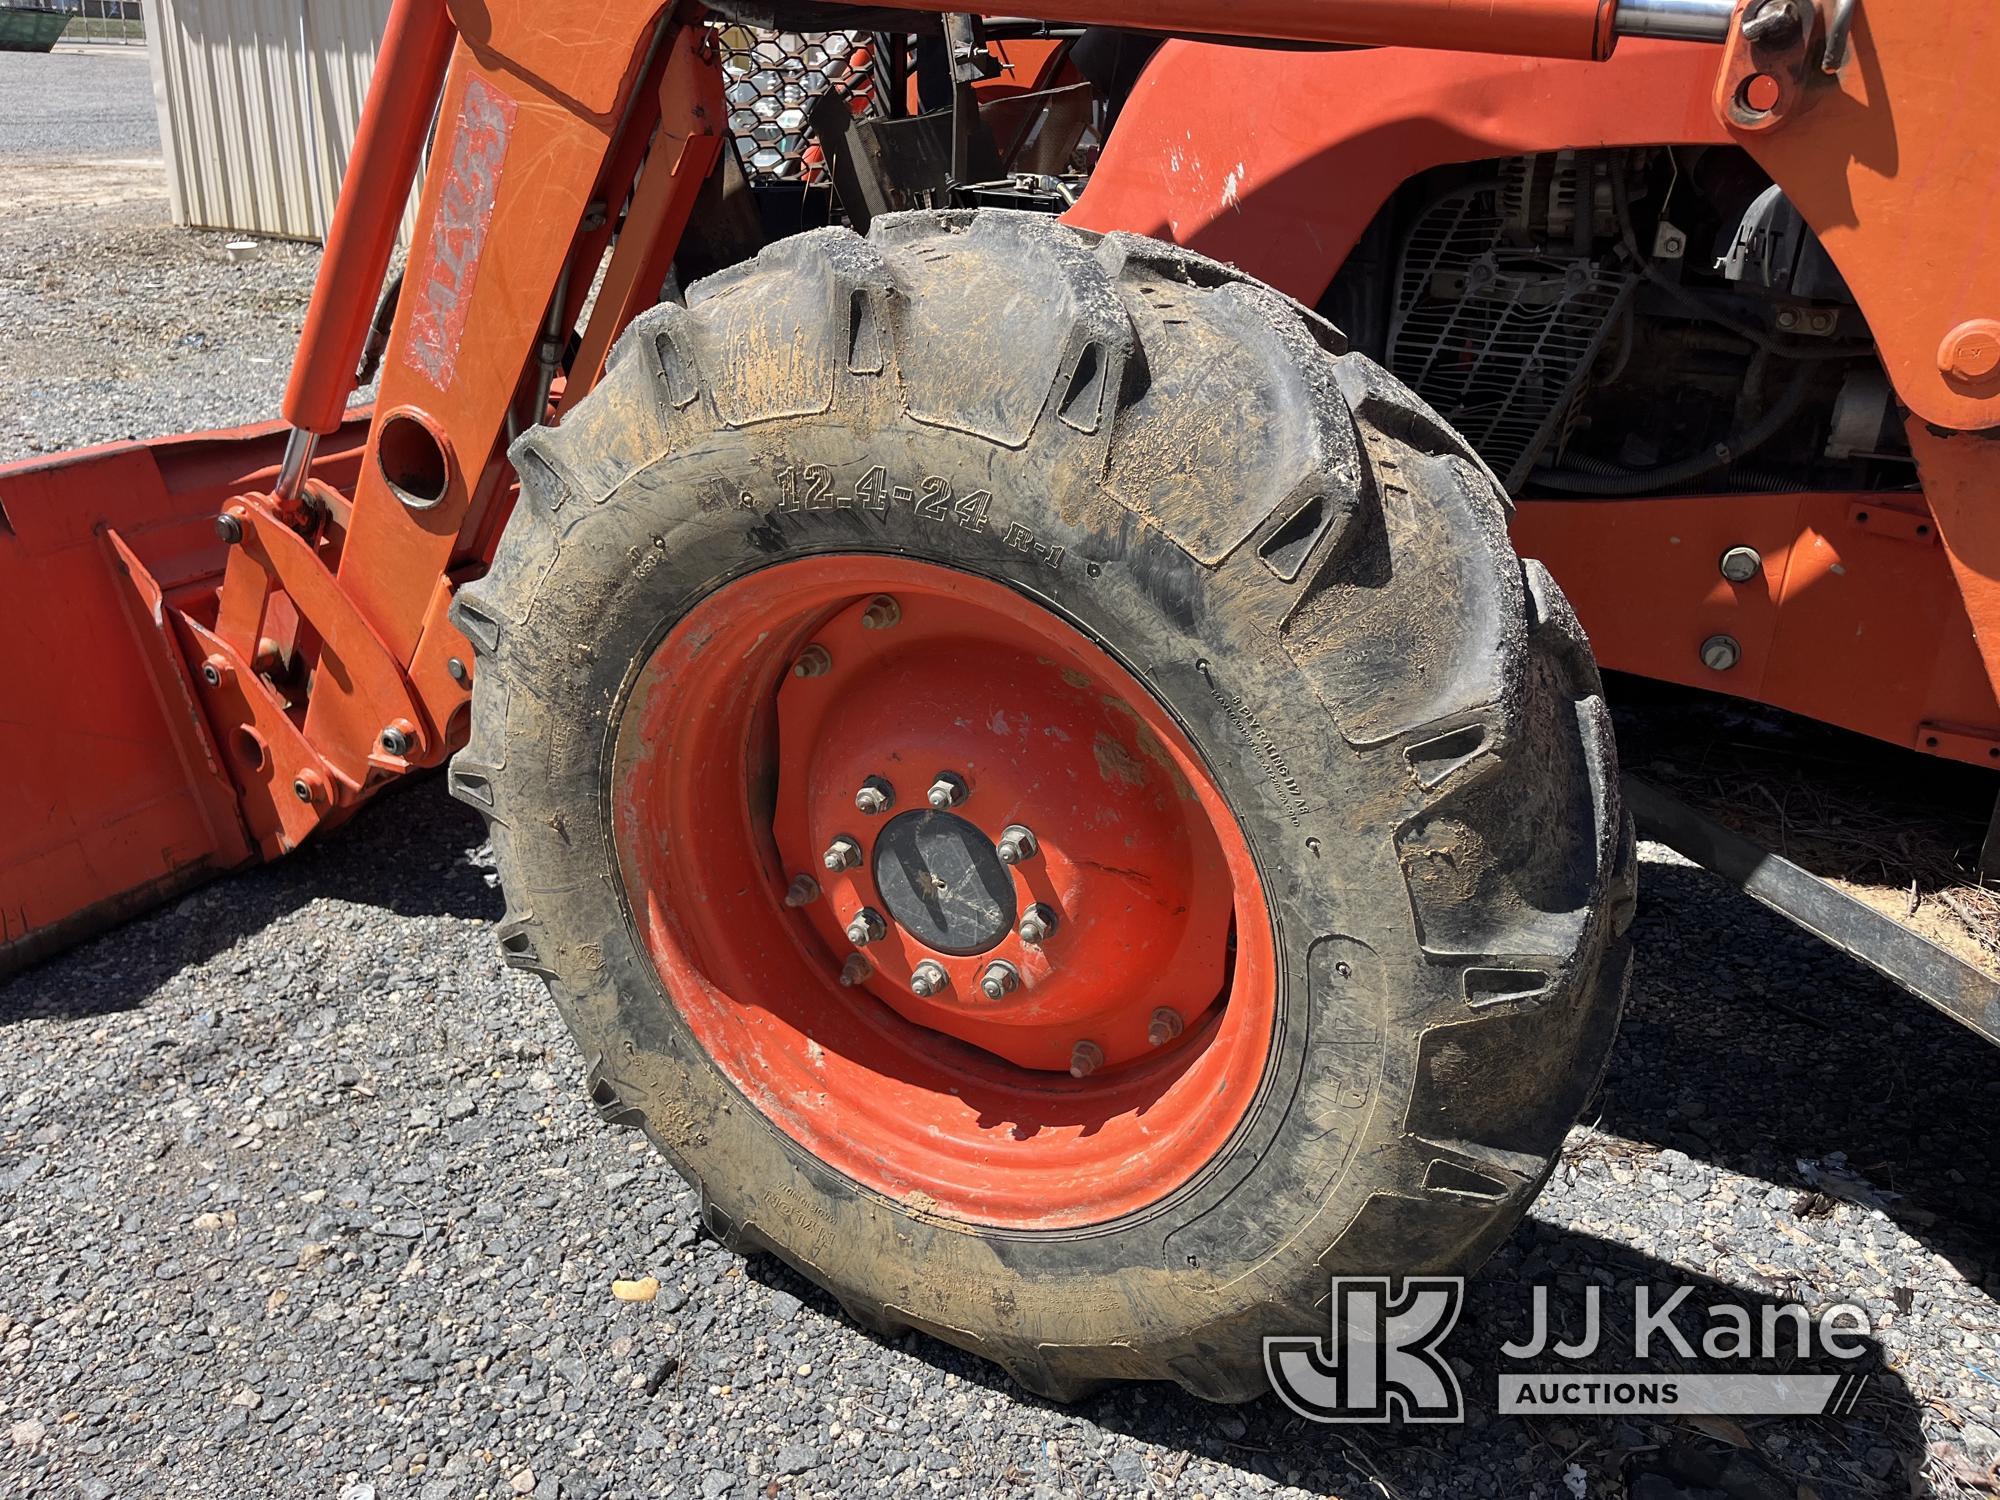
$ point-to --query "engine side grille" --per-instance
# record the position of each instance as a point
(1498, 337)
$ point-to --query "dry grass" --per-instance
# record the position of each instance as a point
(1899, 830)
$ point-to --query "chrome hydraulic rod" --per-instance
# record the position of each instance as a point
(1675, 20)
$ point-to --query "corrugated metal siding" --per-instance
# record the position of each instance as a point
(258, 102)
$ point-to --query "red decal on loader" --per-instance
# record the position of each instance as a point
(465, 210)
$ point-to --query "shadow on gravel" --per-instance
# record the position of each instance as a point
(1869, 1452)
(406, 852)
(1749, 1044)
(1746, 1044)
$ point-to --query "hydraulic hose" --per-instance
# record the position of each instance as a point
(1618, 484)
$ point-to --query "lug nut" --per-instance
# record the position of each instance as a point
(1719, 653)
(814, 661)
(882, 613)
(875, 796)
(1016, 844)
(1741, 564)
(999, 980)
(1037, 923)
(396, 739)
(928, 979)
(842, 854)
(855, 970)
(1085, 1058)
(1167, 1024)
(229, 528)
(947, 791)
(456, 669)
(866, 927)
(803, 891)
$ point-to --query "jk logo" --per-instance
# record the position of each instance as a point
(1380, 1363)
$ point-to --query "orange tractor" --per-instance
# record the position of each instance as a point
(1026, 755)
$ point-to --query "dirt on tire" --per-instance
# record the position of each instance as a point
(1309, 571)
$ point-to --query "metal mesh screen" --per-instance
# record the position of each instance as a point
(772, 79)
(1500, 339)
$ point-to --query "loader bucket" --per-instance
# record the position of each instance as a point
(115, 792)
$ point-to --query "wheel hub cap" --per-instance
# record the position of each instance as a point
(943, 883)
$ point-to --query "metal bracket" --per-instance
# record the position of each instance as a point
(266, 749)
(201, 761)
(1893, 523)
(357, 681)
(1765, 66)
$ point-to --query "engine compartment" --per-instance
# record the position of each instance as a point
(1599, 323)
(1626, 323)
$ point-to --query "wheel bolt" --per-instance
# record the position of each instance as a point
(803, 891)
(947, 791)
(1037, 923)
(875, 796)
(882, 613)
(1167, 1024)
(928, 979)
(999, 980)
(814, 661)
(855, 970)
(1085, 1058)
(842, 854)
(866, 927)
(1016, 844)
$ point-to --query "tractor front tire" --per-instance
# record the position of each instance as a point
(1327, 848)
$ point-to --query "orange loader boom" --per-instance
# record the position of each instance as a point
(219, 644)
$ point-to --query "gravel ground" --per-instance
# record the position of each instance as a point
(299, 1194)
(113, 323)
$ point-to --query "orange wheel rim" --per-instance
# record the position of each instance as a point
(1034, 985)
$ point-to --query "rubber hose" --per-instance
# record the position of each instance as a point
(1622, 483)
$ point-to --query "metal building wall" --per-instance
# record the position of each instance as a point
(258, 100)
